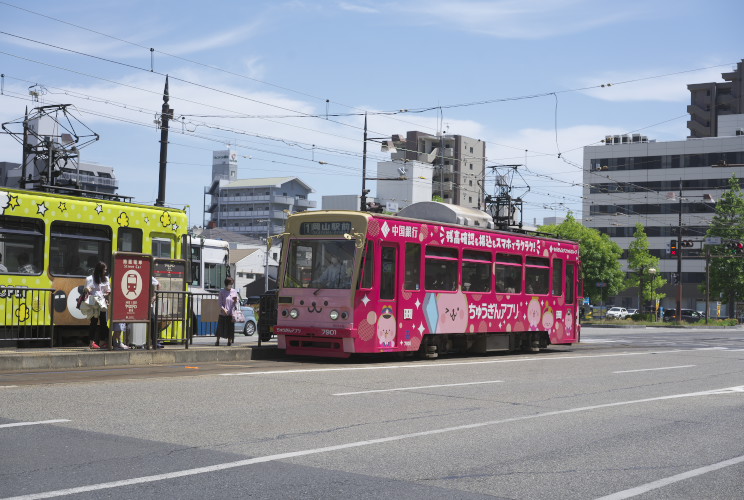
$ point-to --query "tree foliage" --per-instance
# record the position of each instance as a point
(640, 262)
(600, 257)
(727, 273)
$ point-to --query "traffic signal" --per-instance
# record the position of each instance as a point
(675, 278)
(673, 248)
(687, 243)
(735, 247)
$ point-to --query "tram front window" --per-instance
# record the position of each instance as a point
(319, 264)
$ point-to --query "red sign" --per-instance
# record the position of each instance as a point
(131, 283)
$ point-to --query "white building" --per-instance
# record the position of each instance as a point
(631, 179)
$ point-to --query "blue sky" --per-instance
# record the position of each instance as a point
(522, 75)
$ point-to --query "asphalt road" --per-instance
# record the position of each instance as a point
(654, 413)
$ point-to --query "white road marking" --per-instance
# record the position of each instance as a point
(711, 348)
(7, 386)
(654, 369)
(441, 364)
(21, 424)
(414, 388)
(639, 490)
(356, 444)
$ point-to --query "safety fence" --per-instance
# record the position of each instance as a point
(27, 314)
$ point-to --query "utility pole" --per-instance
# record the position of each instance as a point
(363, 198)
(165, 116)
(679, 259)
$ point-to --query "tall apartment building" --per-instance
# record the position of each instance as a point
(708, 101)
(254, 207)
(454, 164)
(632, 179)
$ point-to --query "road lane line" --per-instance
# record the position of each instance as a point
(441, 364)
(639, 490)
(357, 444)
(7, 386)
(414, 388)
(654, 369)
(21, 424)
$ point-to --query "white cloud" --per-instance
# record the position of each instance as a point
(363, 9)
(521, 19)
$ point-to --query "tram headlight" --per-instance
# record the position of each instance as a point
(334, 314)
(294, 313)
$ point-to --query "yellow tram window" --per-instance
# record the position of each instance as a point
(130, 240)
(75, 248)
(162, 247)
(21, 245)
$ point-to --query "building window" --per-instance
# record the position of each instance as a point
(471, 149)
(471, 166)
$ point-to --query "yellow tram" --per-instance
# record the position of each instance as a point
(49, 243)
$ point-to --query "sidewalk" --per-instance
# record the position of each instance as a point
(202, 350)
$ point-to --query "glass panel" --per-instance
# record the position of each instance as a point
(21, 245)
(387, 283)
(75, 249)
(129, 240)
(476, 255)
(319, 264)
(476, 276)
(161, 247)
(413, 266)
(508, 279)
(537, 280)
(509, 258)
(369, 266)
(441, 252)
(570, 285)
(441, 274)
(558, 277)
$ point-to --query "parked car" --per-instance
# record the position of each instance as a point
(688, 315)
(631, 312)
(248, 327)
(617, 313)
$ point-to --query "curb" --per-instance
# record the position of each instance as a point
(46, 360)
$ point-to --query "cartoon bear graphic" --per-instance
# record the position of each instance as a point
(386, 327)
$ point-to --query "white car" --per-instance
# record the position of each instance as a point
(617, 313)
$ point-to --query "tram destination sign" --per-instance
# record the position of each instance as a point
(325, 228)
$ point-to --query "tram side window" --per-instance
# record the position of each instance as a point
(129, 240)
(21, 245)
(369, 267)
(558, 277)
(537, 275)
(570, 283)
(508, 271)
(162, 247)
(388, 278)
(413, 266)
(75, 248)
(476, 271)
(440, 272)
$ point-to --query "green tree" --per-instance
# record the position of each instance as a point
(640, 263)
(600, 257)
(438, 198)
(727, 273)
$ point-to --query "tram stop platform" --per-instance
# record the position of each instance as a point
(200, 351)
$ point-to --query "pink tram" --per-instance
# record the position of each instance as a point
(434, 279)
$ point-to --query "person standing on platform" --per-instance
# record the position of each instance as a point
(98, 287)
(228, 300)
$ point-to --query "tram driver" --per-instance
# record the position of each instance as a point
(333, 276)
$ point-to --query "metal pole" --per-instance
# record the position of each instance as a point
(640, 292)
(679, 259)
(166, 114)
(363, 198)
(707, 283)
(266, 271)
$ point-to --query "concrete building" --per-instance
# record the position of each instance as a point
(710, 101)
(632, 179)
(254, 207)
(452, 165)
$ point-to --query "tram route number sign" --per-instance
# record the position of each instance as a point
(131, 282)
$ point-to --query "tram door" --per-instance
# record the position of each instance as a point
(388, 325)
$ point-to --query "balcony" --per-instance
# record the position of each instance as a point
(303, 203)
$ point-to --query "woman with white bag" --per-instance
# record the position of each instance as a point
(98, 288)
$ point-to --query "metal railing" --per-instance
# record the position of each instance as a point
(26, 314)
(171, 319)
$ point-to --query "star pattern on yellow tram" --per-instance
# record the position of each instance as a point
(41, 208)
(62, 206)
(99, 208)
(13, 202)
